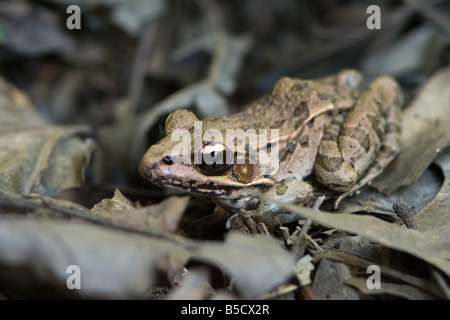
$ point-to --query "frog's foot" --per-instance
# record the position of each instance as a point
(252, 222)
(269, 213)
(290, 191)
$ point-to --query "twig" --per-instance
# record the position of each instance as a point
(406, 214)
(302, 241)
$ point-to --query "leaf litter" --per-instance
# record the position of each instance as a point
(149, 246)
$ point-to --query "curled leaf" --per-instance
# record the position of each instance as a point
(161, 216)
(117, 203)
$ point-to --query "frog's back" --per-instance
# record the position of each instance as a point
(292, 102)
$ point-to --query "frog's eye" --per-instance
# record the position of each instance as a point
(214, 159)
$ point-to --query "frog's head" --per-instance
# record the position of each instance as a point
(173, 162)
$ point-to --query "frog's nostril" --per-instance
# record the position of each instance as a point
(168, 159)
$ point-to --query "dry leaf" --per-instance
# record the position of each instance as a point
(162, 216)
(257, 264)
(329, 281)
(117, 203)
(437, 212)
(416, 195)
(35, 156)
(427, 247)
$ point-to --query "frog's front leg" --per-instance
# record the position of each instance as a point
(288, 191)
(355, 149)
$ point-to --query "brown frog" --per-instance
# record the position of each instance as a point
(323, 128)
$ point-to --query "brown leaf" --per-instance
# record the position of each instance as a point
(35, 156)
(117, 203)
(437, 212)
(416, 195)
(427, 247)
(162, 216)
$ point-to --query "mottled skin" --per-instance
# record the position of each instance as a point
(326, 128)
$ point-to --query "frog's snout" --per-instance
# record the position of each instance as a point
(148, 165)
